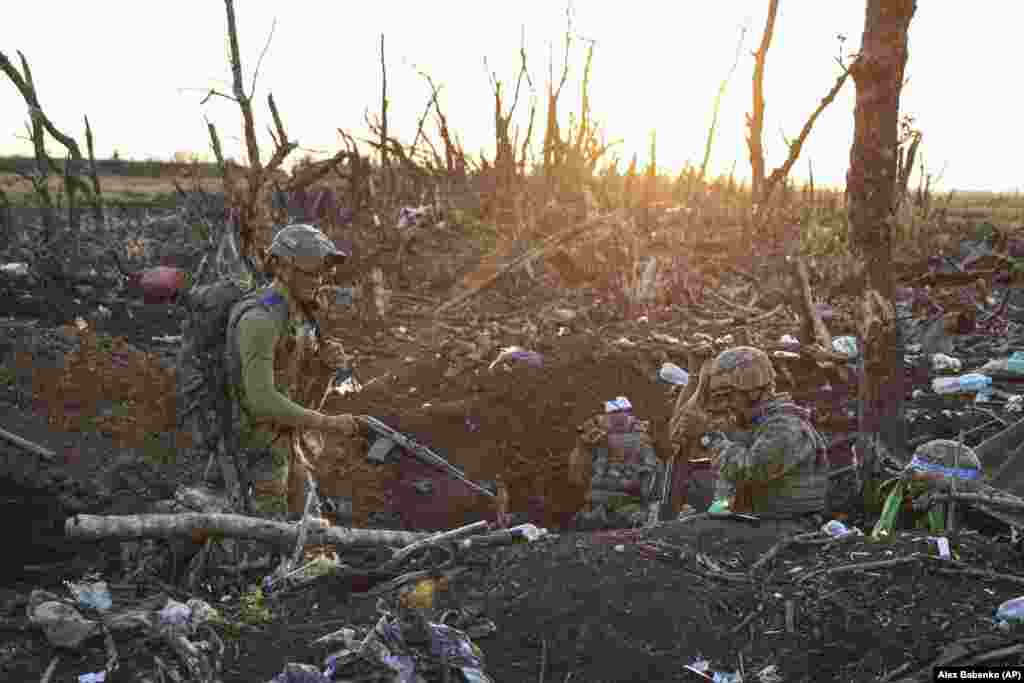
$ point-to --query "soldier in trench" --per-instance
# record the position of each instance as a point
(775, 465)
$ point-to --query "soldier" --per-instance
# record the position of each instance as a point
(275, 355)
(780, 469)
(615, 464)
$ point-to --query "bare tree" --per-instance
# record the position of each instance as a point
(718, 104)
(870, 185)
(761, 187)
(755, 120)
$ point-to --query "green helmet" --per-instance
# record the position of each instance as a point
(305, 242)
(742, 368)
(940, 460)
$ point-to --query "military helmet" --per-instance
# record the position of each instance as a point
(940, 460)
(305, 242)
(742, 368)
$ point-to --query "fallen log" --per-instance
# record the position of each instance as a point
(124, 527)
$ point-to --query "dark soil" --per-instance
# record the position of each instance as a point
(600, 605)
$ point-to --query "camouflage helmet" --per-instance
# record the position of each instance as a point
(940, 460)
(305, 242)
(741, 368)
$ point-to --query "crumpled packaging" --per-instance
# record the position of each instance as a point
(63, 625)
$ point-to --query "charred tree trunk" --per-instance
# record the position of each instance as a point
(878, 75)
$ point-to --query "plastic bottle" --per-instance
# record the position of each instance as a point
(529, 532)
(941, 361)
(847, 345)
(968, 383)
(721, 505)
(673, 374)
(837, 529)
(1010, 613)
(1015, 363)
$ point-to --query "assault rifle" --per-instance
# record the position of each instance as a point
(391, 445)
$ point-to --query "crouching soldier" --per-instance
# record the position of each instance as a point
(615, 463)
(779, 467)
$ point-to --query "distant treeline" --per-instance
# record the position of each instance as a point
(122, 167)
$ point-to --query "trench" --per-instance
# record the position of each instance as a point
(34, 540)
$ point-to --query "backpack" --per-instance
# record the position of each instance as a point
(206, 409)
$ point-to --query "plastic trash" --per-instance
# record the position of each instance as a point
(160, 285)
(769, 674)
(837, 529)
(174, 613)
(620, 404)
(529, 532)
(63, 625)
(97, 677)
(968, 383)
(720, 505)
(941, 361)
(1010, 613)
(789, 339)
(942, 544)
(94, 594)
(300, 673)
(847, 345)
(703, 668)
(673, 374)
(15, 269)
(516, 353)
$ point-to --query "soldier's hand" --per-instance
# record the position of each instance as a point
(333, 354)
(349, 425)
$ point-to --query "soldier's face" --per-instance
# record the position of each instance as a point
(734, 407)
(305, 278)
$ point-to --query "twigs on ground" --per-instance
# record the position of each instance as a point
(443, 537)
(27, 445)
(862, 566)
(772, 552)
(50, 669)
(543, 660)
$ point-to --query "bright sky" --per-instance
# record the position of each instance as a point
(140, 69)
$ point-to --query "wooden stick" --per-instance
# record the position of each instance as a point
(233, 526)
(48, 674)
(445, 536)
(27, 445)
(978, 499)
(863, 566)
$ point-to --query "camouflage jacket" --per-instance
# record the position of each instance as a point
(783, 471)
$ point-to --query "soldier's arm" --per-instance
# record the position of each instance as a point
(779, 448)
(257, 337)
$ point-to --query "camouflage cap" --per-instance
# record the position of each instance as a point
(304, 241)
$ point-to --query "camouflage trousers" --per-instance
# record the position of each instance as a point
(280, 474)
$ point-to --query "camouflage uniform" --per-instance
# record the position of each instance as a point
(783, 472)
(777, 469)
(623, 470)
